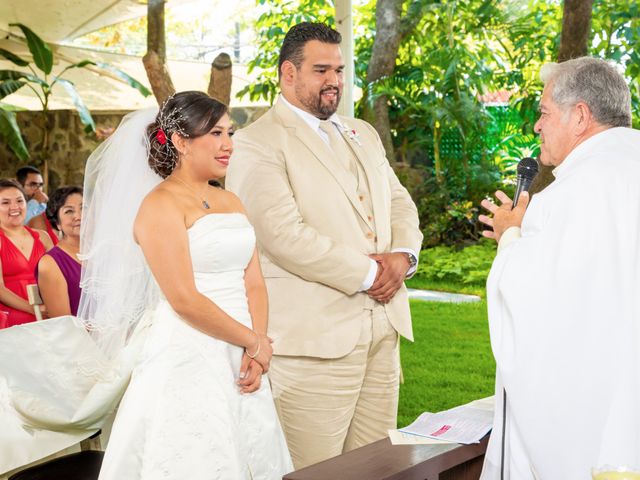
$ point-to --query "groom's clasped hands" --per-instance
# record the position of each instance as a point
(392, 271)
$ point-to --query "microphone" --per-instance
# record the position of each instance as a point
(527, 171)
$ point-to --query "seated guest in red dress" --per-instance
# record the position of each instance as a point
(20, 250)
(59, 269)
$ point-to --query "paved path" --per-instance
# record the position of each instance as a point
(431, 296)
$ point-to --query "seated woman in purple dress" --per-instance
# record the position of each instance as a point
(58, 271)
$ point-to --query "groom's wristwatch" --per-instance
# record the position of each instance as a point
(413, 261)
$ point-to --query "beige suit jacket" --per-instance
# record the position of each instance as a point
(314, 250)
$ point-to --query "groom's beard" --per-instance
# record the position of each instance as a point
(318, 105)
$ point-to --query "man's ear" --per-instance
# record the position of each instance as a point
(287, 72)
(584, 117)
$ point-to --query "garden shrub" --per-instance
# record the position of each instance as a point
(469, 265)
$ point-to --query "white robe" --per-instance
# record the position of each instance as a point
(564, 317)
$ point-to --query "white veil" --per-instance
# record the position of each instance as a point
(117, 286)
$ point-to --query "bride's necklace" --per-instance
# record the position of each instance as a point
(205, 204)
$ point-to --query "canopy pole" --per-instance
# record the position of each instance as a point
(344, 24)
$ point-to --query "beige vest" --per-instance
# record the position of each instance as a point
(349, 160)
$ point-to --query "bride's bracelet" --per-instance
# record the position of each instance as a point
(257, 351)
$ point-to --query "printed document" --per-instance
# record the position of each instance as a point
(464, 424)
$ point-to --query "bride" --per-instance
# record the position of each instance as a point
(185, 310)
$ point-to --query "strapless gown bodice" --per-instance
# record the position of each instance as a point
(221, 246)
(182, 415)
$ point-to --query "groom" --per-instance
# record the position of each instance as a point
(338, 235)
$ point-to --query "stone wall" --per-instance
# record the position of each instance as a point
(71, 146)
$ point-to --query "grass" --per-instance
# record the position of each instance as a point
(450, 363)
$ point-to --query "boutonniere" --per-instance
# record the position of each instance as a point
(351, 133)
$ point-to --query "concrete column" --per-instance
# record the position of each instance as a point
(344, 24)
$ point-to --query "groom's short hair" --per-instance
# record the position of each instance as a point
(297, 37)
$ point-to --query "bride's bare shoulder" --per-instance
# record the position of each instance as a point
(160, 204)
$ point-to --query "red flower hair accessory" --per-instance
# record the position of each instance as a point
(161, 136)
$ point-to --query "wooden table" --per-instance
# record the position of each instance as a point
(382, 461)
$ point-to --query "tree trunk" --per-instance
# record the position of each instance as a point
(155, 29)
(574, 42)
(576, 26)
(391, 28)
(155, 60)
(44, 148)
(158, 76)
(381, 65)
(220, 80)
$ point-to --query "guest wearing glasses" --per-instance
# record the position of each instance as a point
(32, 183)
(31, 180)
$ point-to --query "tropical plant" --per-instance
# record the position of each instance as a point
(42, 83)
(615, 36)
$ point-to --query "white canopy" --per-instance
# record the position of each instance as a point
(100, 91)
(57, 21)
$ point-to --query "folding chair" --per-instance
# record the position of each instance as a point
(35, 300)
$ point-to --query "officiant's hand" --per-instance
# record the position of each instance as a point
(504, 216)
(392, 270)
(250, 375)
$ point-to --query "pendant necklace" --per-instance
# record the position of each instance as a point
(205, 204)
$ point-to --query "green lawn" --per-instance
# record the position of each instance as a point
(450, 362)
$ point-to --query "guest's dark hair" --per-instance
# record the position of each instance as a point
(6, 183)
(298, 36)
(22, 173)
(57, 200)
(189, 114)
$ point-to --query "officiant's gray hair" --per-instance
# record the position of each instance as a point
(594, 82)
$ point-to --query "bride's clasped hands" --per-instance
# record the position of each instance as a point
(254, 364)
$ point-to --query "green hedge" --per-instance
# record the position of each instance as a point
(468, 266)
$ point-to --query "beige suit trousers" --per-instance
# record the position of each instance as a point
(330, 406)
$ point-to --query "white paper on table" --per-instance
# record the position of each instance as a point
(464, 424)
(400, 438)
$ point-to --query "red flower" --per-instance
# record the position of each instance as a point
(161, 136)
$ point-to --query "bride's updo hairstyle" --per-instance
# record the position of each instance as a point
(189, 114)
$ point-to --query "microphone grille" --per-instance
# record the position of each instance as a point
(528, 168)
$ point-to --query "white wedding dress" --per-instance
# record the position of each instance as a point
(182, 415)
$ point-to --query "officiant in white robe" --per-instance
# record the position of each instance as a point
(564, 290)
